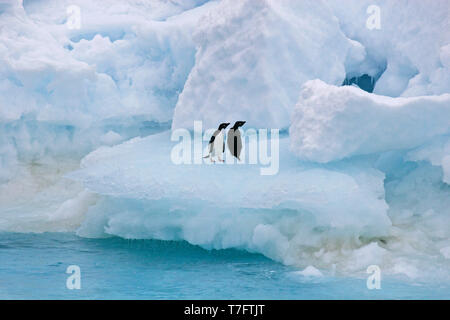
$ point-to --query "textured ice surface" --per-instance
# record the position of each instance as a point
(66, 91)
(122, 61)
(132, 62)
(412, 44)
(253, 57)
(437, 153)
(331, 123)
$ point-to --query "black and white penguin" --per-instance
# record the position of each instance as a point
(234, 140)
(216, 144)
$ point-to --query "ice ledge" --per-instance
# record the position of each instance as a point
(331, 123)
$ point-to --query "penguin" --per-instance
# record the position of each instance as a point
(216, 144)
(234, 140)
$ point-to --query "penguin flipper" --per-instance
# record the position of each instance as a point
(211, 147)
(213, 137)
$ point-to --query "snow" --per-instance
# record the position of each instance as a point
(332, 123)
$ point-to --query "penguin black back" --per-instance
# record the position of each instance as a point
(234, 140)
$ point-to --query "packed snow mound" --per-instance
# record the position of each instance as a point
(411, 42)
(254, 55)
(331, 123)
(66, 74)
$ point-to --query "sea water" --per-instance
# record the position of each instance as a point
(33, 266)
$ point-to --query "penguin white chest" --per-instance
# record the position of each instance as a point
(218, 144)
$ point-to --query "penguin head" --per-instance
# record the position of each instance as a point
(223, 125)
(238, 124)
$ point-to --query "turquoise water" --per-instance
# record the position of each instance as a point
(33, 266)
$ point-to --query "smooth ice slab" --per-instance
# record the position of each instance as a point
(143, 169)
(230, 205)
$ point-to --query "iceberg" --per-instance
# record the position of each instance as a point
(87, 115)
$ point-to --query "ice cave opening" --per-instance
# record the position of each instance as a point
(365, 82)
